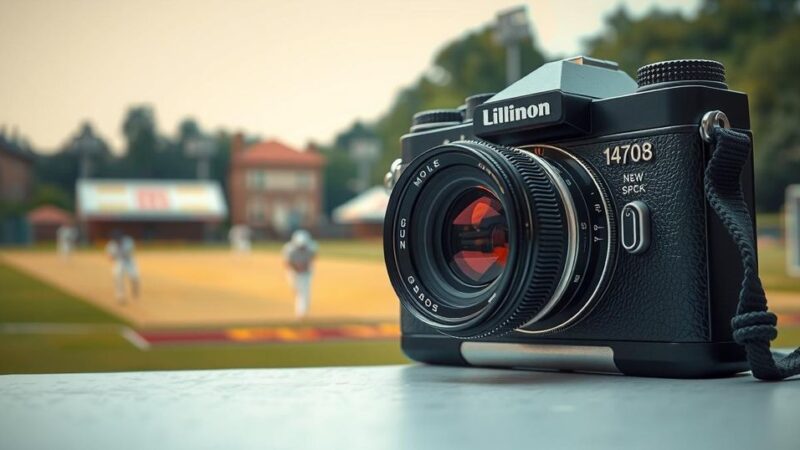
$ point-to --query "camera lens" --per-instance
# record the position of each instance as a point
(482, 240)
(476, 237)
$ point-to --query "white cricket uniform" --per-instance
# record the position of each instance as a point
(66, 237)
(239, 238)
(299, 258)
(124, 264)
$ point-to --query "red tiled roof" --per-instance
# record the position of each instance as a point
(50, 215)
(276, 153)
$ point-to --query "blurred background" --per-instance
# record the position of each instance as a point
(209, 131)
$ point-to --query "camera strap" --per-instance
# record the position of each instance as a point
(753, 325)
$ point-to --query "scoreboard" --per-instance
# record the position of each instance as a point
(150, 200)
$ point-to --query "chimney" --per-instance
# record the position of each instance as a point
(312, 147)
(237, 144)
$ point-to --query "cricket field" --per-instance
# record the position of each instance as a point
(204, 307)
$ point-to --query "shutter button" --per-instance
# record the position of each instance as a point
(635, 227)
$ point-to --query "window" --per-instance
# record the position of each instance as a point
(282, 180)
(256, 179)
(305, 181)
(279, 180)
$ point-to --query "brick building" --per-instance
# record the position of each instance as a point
(16, 177)
(274, 188)
(16, 189)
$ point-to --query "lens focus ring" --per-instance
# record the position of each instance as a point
(549, 243)
(538, 238)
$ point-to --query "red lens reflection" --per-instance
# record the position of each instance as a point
(478, 237)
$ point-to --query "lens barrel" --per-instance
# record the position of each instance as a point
(482, 239)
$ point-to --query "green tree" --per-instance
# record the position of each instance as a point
(340, 169)
(337, 179)
(149, 154)
(59, 170)
(56, 174)
(50, 194)
(142, 143)
(220, 160)
(188, 129)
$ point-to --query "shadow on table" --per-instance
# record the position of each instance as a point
(471, 375)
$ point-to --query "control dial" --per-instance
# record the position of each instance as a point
(473, 102)
(682, 71)
(435, 118)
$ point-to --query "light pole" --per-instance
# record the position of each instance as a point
(201, 149)
(511, 30)
(364, 151)
(87, 146)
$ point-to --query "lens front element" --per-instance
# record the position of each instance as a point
(476, 237)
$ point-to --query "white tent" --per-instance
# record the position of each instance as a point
(367, 207)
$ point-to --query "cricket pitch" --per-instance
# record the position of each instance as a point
(212, 287)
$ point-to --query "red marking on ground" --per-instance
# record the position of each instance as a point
(788, 319)
(172, 337)
(284, 334)
(288, 334)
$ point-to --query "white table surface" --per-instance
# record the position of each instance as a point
(393, 407)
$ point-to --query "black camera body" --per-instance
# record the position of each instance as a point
(561, 224)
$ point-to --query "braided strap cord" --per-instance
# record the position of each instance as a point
(753, 325)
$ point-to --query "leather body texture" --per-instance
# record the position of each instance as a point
(662, 294)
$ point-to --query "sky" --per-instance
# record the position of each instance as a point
(297, 70)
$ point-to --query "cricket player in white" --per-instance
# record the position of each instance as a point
(239, 238)
(65, 240)
(120, 249)
(299, 254)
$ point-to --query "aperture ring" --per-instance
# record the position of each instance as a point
(547, 214)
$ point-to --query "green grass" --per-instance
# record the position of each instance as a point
(771, 220)
(26, 299)
(788, 337)
(772, 269)
(108, 352)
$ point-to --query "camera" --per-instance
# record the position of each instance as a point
(561, 224)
